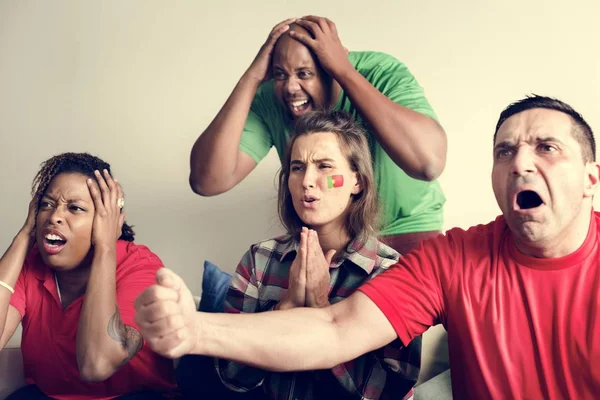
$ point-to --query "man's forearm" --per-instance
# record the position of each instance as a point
(415, 142)
(290, 340)
(214, 155)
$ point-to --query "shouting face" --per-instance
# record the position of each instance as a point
(541, 181)
(64, 222)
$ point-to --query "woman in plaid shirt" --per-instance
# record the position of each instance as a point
(328, 205)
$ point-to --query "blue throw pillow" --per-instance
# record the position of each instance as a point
(215, 284)
(196, 375)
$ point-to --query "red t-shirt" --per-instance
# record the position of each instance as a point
(50, 334)
(518, 327)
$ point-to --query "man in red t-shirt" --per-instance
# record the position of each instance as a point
(520, 296)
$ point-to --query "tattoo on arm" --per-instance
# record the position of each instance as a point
(127, 336)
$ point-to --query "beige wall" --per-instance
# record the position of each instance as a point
(135, 82)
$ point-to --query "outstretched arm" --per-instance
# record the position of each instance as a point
(299, 338)
(415, 142)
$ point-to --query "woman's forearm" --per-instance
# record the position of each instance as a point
(11, 264)
(104, 343)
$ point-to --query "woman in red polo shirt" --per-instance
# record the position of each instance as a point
(71, 276)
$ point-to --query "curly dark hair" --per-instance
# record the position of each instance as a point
(81, 163)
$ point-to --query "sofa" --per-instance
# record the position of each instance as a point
(434, 377)
(11, 366)
(434, 380)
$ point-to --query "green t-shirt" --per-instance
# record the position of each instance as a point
(407, 205)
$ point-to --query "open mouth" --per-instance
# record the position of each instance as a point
(309, 201)
(53, 242)
(528, 199)
(299, 107)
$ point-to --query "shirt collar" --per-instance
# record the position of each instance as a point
(362, 253)
(289, 247)
(42, 272)
(37, 267)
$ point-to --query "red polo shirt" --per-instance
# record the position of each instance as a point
(50, 333)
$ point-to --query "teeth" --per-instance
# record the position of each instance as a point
(52, 236)
(298, 103)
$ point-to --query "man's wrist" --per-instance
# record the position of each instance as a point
(344, 73)
(198, 337)
(250, 79)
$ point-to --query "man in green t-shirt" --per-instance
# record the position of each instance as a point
(302, 67)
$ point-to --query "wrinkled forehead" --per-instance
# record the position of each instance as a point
(69, 186)
(315, 146)
(536, 124)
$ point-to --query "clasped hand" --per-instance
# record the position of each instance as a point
(309, 274)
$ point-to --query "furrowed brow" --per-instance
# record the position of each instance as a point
(548, 139)
(504, 145)
(325, 160)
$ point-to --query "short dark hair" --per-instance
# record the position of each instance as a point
(65, 163)
(582, 132)
(361, 219)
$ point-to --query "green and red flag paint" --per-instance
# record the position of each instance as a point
(335, 181)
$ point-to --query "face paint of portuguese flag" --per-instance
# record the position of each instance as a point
(335, 181)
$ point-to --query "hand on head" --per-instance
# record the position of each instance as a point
(309, 274)
(165, 315)
(29, 225)
(260, 69)
(107, 195)
(324, 43)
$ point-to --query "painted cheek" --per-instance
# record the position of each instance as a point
(335, 181)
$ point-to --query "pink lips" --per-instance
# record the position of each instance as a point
(312, 204)
(52, 250)
(309, 201)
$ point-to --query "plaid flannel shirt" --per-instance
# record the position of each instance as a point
(261, 280)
